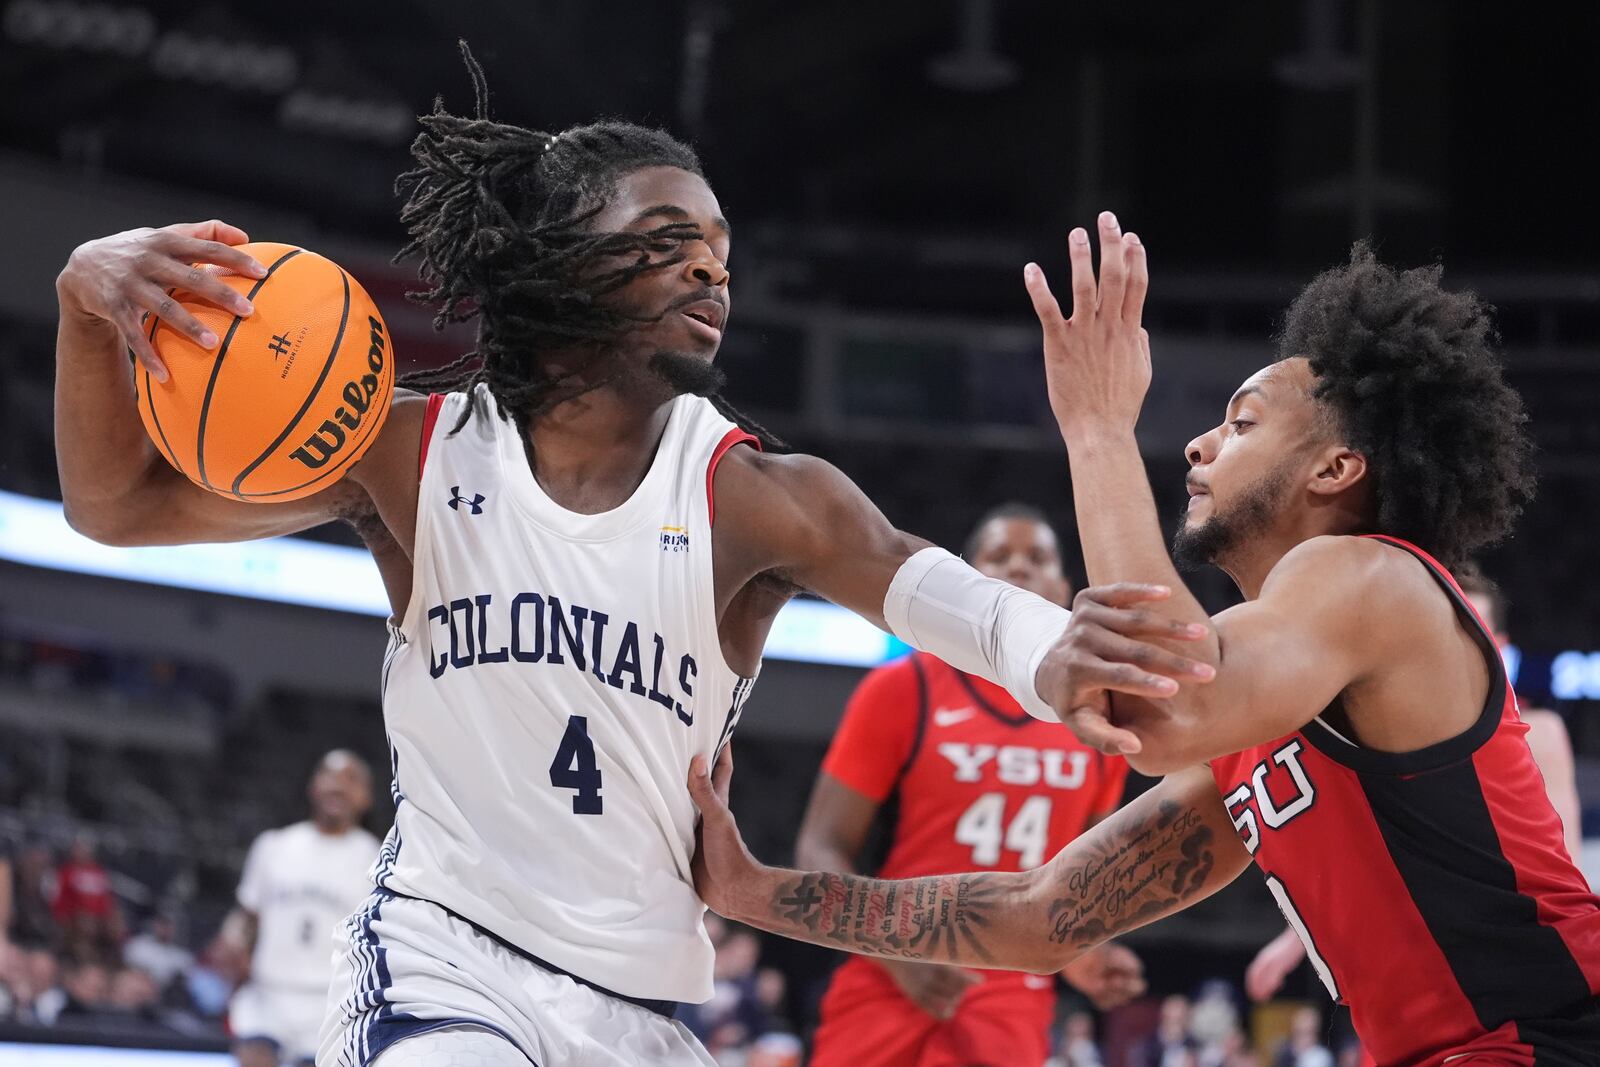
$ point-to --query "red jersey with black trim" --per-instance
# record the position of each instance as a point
(981, 785)
(1432, 888)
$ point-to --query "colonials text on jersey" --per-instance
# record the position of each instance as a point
(533, 628)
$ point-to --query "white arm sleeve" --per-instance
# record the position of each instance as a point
(980, 625)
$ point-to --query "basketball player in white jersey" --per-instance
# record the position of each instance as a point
(299, 884)
(570, 628)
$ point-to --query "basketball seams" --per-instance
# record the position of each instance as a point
(163, 445)
(216, 371)
(355, 451)
(327, 366)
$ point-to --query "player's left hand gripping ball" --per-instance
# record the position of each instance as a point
(291, 397)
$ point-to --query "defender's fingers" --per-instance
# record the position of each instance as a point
(700, 788)
(165, 306)
(1044, 301)
(1113, 265)
(1095, 730)
(722, 773)
(1084, 290)
(1138, 280)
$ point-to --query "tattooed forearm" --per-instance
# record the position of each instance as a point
(942, 919)
(1167, 849)
(1150, 866)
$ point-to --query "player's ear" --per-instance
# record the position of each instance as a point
(1338, 469)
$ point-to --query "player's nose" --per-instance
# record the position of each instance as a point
(1202, 449)
(706, 269)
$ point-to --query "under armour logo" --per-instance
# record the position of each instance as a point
(456, 500)
(279, 345)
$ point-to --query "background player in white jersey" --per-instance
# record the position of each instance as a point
(299, 883)
(569, 630)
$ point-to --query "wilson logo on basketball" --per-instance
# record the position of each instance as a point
(329, 438)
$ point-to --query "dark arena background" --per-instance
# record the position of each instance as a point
(889, 168)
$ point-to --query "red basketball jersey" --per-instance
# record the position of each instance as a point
(1431, 888)
(980, 785)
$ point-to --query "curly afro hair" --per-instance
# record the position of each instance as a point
(1410, 375)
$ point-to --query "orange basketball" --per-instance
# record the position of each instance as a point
(293, 395)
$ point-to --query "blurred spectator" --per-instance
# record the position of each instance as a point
(88, 988)
(1077, 1047)
(214, 976)
(44, 985)
(1214, 1023)
(775, 1050)
(13, 976)
(1232, 1051)
(1304, 1047)
(1171, 1045)
(133, 994)
(155, 950)
(33, 888)
(7, 857)
(83, 907)
(735, 1015)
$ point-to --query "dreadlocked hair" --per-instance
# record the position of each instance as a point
(1410, 375)
(499, 221)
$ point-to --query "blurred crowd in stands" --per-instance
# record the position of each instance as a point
(72, 958)
(69, 959)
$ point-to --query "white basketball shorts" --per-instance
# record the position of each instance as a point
(410, 967)
(289, 1018)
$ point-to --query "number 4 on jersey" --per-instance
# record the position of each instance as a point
(574, 767)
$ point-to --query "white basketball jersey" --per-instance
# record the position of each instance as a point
(552, 677)
(301, 883)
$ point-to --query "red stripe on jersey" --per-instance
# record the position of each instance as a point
(733, 437)
(435, 402)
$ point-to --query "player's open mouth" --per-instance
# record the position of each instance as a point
(706, 318)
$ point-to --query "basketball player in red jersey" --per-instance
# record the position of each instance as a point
(1359, 742)
(1552, 751)
(596, 262)
(980, 785)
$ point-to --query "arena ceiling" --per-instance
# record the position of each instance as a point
(1256, 134)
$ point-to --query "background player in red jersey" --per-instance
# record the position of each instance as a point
(1359, 741)
(980, 785)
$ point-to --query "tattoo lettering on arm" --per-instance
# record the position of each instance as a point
(941, 919)
(1149, 870)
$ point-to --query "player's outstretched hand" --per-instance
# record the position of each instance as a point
(1097, 363)
(1109, 974)
(1275, 962)
(1107, 647)
(936, 988)
(723, 867)
(115, 280)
